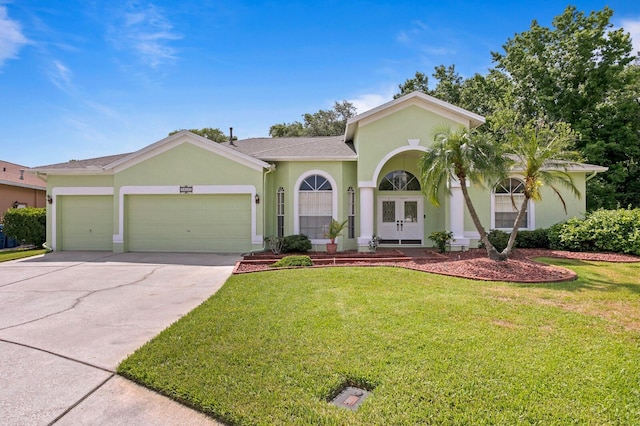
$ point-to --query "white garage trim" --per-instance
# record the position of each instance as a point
(197, 189)
(71, 190)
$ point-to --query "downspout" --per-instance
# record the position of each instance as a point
(591, 176)
(271, 168)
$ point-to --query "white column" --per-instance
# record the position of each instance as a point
(366, 216)
(456, 215)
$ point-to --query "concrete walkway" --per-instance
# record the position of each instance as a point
(68, 319)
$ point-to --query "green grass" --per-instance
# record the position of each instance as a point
(19, 254)
(271, 348)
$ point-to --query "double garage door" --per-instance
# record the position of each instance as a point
(188, 223)
(159, 223)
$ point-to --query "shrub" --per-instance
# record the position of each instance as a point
(296, 243)
(274, 244)
(441, 238)
(28, 225)
(553, 234)
(289, 261)
(538, 238)
(498, 238)
(602, 230)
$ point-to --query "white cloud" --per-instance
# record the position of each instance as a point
(633, 28)
(367, 101)
(60, 75)
(11, 37)
(144, 30)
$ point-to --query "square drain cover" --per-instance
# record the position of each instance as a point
(350, 398)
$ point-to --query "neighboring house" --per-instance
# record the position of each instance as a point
(19, 188)
(188, 194)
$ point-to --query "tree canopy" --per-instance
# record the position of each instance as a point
(579, 71)
(330, 122)
(213, 134)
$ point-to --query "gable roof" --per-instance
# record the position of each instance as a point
(113, 163)
(15, 175)
(313, 148)
(420, 99)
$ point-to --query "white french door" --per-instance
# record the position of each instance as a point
(400, 220)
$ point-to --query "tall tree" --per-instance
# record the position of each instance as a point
(542, 154)
(466, 156)
(213, 134)
(330, 122)
(581, 71)
(419, 83)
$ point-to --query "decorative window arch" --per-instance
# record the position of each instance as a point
(399, 180)
(315, 205)
(508, 196)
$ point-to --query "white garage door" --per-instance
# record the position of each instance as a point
(189, 223)
(86, 222)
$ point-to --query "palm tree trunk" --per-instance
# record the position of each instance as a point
(514, 233)
(491, 250)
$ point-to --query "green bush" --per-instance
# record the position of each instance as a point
(553, 234)
(441, 238)
(602, 230)
(289, 261)
(538, 238)
(28, 225)
(296, 244)
(498, 238)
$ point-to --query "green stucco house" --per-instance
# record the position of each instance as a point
(188, 194)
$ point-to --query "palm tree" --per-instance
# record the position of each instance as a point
(466, 156)
(542, 154)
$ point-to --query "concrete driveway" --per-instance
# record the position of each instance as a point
(68, 319)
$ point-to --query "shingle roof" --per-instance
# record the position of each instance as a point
(10, 174)
(298, 148)
(97, 162)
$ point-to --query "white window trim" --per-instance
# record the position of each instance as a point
(531, 225)
(296, 201)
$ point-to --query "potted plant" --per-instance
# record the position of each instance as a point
(334, 231)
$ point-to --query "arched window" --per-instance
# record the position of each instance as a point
(280, 212)
(508, 197)
(315, 206)
(399, 180)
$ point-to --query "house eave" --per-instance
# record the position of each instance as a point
(22, 185)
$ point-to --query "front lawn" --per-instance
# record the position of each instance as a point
(19, 254)
(272, 348)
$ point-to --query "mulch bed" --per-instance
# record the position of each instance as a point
(472, 264)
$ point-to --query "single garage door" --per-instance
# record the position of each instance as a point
(189, 223)
(86, 222)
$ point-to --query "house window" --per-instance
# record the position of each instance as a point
(351, 216)
(508, 197)
(280, 212)
(399, 180)
(315, 206)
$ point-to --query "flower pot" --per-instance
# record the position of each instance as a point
(332, 248)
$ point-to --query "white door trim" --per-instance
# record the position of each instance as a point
(400, 223)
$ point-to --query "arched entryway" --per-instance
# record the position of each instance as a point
(400, 218)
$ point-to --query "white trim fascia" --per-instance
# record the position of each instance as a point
(71, 190)
(428, 102)
(93, 170)
(22, 185)
(173, 141)
(197, 189)
(293, 159)
(296, 200)
(366, 184)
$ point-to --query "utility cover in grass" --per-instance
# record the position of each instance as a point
(350, 398)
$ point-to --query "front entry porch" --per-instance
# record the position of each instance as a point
(400, 220)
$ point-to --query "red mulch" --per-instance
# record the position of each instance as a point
(472, 264)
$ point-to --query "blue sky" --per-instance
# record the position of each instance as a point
(87, 78)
